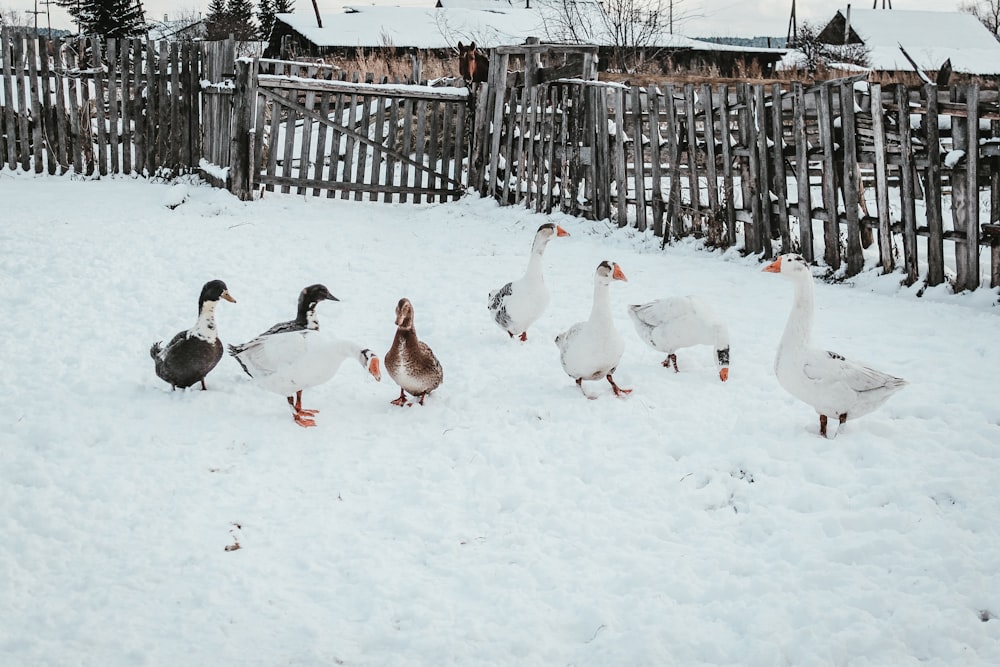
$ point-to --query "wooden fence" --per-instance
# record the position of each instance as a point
(824, 170)
(122, 107)
(312, 132)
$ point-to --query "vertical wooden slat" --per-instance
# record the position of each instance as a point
(337, 141)
(554, 168)
(362, 127)
(932, 187)
(305, 150)
(445, 158)
(881, 181)
(725, 137)
(531, 169)
(73, 95)
(778, 168)
(239, 162)
(100, 91)
(655, 160)
(675, 228)
(694, 176)
(350, 111)
(518, 120)
(37, 138)
(141, 82)
(404, 178)
(174, 133)
(906, 195)
(850, 178)
(164, 110)
(462, 148)
(48, 119)
(112, 46)
(23, 97)
(10, 117)
(418, 153)
(498, 73)
(711, 168)
(124, 65)
(749, 125)
(391, 142)
(63, 137)
(766, 232)
(831, 227)
(971, 278)
(274, 140)
(152, 95)
(804, 205)
(639, 160)
(621, 184)
(511, 120)
(321, 153)
(433, 149)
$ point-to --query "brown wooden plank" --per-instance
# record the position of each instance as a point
(533, 167)
(174, 93)
(305, 150)
(7, 43)
(675, 227)
(419, 149)
(99, 102)
(831, 229)
(351, 111)
(932, 187)
(711, 167)
(881, 181)
(34, 91)
(404, 179)
(725, 138)
(391, 145)
(907, 194)
(125, 71)
(434, 110)
(780, 177)
(639, 159)
(757, 186)
(655, 159)
(694, 178)
(448, 122)
(851, 180)
(462, 145)
(971, 278)
(363, 126)
(75, 148)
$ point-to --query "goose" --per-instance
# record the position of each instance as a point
(836, 387)
(288, 362)
(670, 324)
(591, 350)
(410, 362)
(191, 354)
(517, 305)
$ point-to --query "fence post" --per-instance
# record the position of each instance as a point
(239, 151)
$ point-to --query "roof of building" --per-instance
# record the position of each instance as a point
(929, 37)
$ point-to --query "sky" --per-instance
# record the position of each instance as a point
(708, 18)
(508, 520)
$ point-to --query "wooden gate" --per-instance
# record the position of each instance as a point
(388, 142)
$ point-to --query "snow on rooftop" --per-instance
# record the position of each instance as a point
(929, 37)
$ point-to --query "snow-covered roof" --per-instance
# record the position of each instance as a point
(929, 37)
(489, 22)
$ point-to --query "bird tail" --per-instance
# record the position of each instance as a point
(235, 351)
(154, 351)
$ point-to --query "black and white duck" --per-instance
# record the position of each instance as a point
(293, 356)
(410, 362)
(193, 353)
(591, 350)
(517, 305)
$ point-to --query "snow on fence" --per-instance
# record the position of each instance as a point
(747, 164)
(121, 106)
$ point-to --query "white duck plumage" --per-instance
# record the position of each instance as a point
(836, 387)
(519, 303)
(288, 362)
(673, 323)
(591, 350)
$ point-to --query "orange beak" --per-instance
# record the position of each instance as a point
(228, 297)
(617, 273)
(773, 267)
(373, 368)
(561, 232)
(724, 374)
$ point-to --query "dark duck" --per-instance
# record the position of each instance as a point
(192, 354)
(410, 362)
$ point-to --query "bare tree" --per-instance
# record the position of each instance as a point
(815, 53)
(987, 11)
(629, 27)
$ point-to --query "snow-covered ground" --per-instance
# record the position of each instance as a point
(509, 521)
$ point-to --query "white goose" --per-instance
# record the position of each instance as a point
(676, 322)
(591, 350)
(288, 362)
(833, 385)
(517, 305)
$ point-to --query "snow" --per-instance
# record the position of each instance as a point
(507, 521)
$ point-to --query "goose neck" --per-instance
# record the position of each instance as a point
(798, 330)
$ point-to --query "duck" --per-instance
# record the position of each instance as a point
(836, 387)
(591, 350)
(288, 362)
(410, 362)
(676, 322)
(305, 317)
(519, 303)
(192, 354)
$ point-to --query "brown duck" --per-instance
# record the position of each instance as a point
(410, 362)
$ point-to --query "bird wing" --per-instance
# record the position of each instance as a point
(269, 354)
(826, 366)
